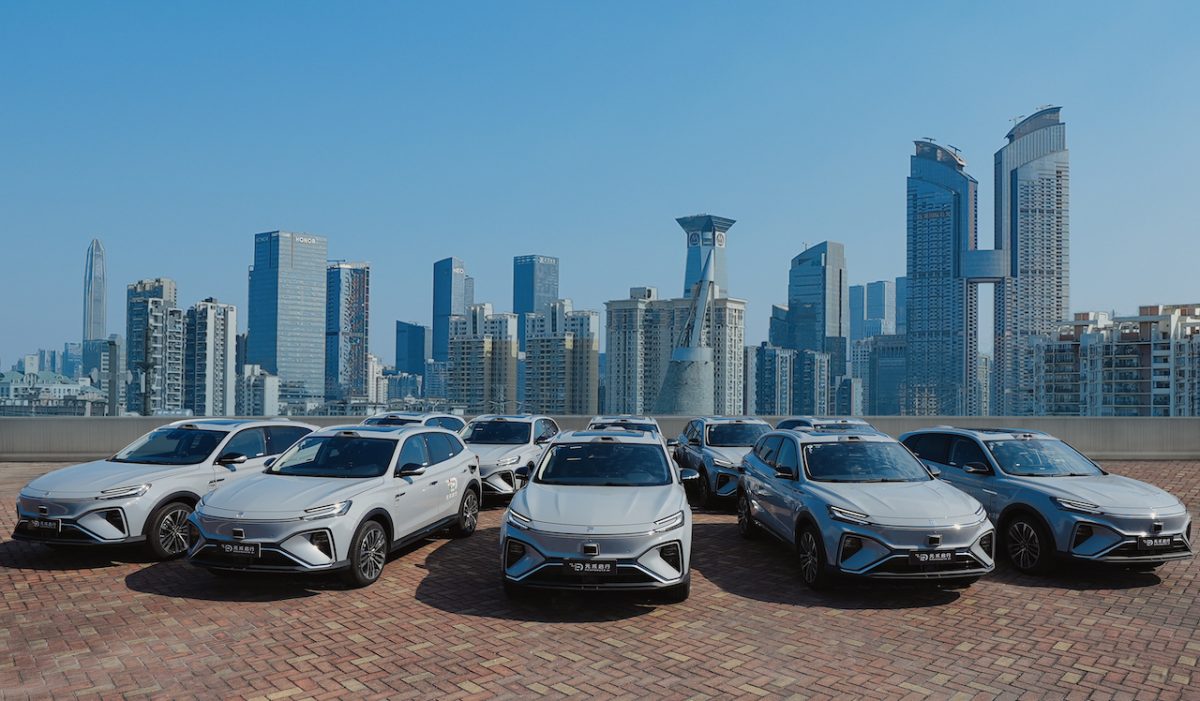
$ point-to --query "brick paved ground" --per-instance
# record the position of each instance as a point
(437, 626)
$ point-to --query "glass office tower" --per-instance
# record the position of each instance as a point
(95, 294)
(453, 292)
(347, 316)
(535, 287)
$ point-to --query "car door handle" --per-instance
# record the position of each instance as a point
(433, 482)
(219, 479)
(989, 491)
(401, 494)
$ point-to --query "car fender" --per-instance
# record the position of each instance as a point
(1001, 523)
(384, 516)
(180, 495)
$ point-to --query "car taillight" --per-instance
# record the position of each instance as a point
(672, 555)
(513, 551)
(850, 547)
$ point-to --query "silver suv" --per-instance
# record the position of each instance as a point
(449, 422)
(504, 443)
(860, 504)
(714, 447)
(341, 499)
(825, 423)
(1049, 501)
(145, 492)
(603, 510)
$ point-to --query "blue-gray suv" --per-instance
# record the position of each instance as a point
(1049, 501)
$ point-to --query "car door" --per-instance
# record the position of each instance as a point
(760, 468)
(784, 497)
(445, 478)
(250, 442)
(691, 448)
(405, 494)
(964, 451)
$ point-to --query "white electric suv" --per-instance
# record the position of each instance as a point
(504, 443)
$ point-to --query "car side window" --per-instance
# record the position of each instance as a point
(252, 443)
(280, 438)
(456, 446)
(414, 452)
(787, 458)
(770, 449)
(439, 447)
(447, 423)
(964, 451)
(930, 446)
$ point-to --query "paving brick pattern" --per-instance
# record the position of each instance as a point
(437, 626)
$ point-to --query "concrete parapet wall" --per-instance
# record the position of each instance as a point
(61, 439)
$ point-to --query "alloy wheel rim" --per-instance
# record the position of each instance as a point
(808, 557)
(1024, 547)
(704, 490)
(371, 553)
(470, 512)
(743, 515)
(173, 532)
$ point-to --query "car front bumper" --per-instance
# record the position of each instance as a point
(723, 481)
(80, 521)
(1127, 539)
(640, 561)
(291, 545)
(498, 481)
(911, 553)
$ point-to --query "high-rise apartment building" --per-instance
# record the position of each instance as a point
(1033, 231)
(257, 392)
(811, 391)
(535, 287)
(347, 326)
(413, 347)
(887, 372)
(482, 374)
(95, 294)
(209, 362)
(773, 380)
(154, 347)
(749, 381)
(562, 356)
(901, 305)
(287, 314)
(106, 359)
(453, 293)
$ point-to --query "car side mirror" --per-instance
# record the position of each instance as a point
(933, 470)
(521, 477)
(786, 473)
(269, 462)
(976, 468)
(231, 459)
(411, 469)
(542, 440)
(672, 442)
(693, 441)
(687, 474)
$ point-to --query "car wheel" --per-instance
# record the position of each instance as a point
(704, 493)
(677, 594)
(747, 526)
(167, 533)
(811, 553)
(468, 515)
(1028, 545)
(368, 553)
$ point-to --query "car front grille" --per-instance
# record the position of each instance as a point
(901, 565)
(558, 576)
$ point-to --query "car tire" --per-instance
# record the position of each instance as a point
(747, 526)
(704, 493)
(468, 515)
(368, 554)
(1028, 545)
(678, 593)
(167, 533)
(810, 551)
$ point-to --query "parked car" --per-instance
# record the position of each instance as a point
(1049, 501)
(628, 422)
(602, 510)
(144, 493)
(341, 500)
(504, 443)
(449, 422)
(714, 447)
(825, 423)
(860, 504)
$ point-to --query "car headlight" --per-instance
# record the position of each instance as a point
(519, 519)
(327, 511)
(675, 520)
(135, 490)
(510, 460)
(848, 516)
(1082, 507)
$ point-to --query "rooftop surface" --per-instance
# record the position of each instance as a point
(437, 625)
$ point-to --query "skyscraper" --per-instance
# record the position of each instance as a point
(453, 292)
(95, 294)
(901, 305)
(1033, 231)
(154, 347)
(817, 315)
(872, 309)
(286, 320)
(563, 358)
(347, 317)
(209, 359)
(705, 233)
(412, 347)
(535, 287)
(773, 380)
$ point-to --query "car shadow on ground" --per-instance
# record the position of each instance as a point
(22, 555)
(463, 577)
(1080, 576)
(765, 569)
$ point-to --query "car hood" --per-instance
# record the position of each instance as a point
(1112, 493)
(490, 453)
(732, 454)
(604, 509)
(273, 495)
(89, 478)
(925, 503)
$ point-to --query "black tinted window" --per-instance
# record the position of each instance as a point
(769, 449)
(787, 458)
(252, 443)
(282, 437)
(447, 423)
(439, 447)
(964, 451)
(929, 446)
(605, 464)
(413, 453)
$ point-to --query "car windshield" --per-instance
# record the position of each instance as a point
(868, 461)
(735, 435)
(498, 432)
(171, 446)
(389, 421)
(336, 456)
(603, 464)
(624, 426)
(1041, 458)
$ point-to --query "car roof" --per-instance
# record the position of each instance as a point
(416, 415)
(983, 434)
(217, 424)
(617, 418)
(609, 436)
(732, 420)
(376, 431)
(520, 418)
(828, 419)
(819, 436)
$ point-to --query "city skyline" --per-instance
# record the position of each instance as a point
(795, 165)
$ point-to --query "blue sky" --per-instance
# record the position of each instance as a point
(406, 133)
